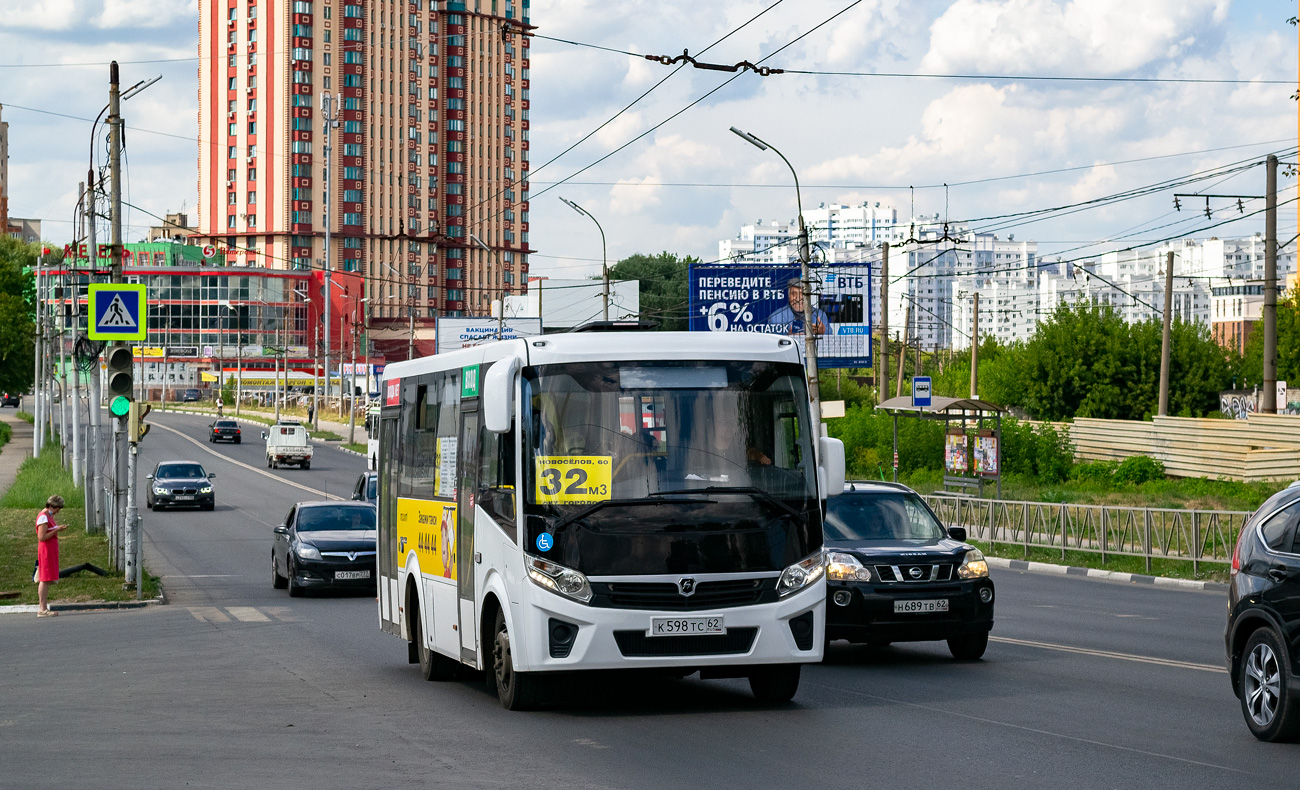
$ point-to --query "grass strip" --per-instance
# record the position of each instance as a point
(1174, 569)
(6, 433)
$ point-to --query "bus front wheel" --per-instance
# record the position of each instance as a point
(774, 683)
(516, 690)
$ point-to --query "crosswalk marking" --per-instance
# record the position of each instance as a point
(208, 614)
(244, 614)
(247, 614)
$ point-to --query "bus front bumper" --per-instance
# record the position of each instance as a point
(566, 635)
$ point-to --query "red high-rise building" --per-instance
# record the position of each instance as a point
(430, 148)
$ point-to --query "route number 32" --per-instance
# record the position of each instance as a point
(573, 479)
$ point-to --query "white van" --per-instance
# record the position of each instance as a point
(287, 443)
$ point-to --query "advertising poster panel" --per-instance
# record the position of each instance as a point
(986, 454)
(954, 453)
(458, 333)
(769, 299)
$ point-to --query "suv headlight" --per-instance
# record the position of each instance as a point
(160, 490)
(846, 568)
(800, 575)
(205, 490)
(973, 566)
(559, 579)
(307, 551)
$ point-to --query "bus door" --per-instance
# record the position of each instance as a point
(389, 558)
(465, 493)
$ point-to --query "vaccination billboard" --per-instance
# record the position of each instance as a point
(727, 298)
(457, 333)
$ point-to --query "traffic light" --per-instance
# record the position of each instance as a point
(135, 425)
(119, 360)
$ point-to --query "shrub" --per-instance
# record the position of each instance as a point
(1094, 471)
(1138, 469)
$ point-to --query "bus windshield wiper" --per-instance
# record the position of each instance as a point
(587, 511)
(757, 493)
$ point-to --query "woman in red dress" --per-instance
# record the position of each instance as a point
(47, 552)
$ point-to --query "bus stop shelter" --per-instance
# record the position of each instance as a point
(963, 469)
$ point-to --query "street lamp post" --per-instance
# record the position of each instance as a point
(809, 339)
(410, 311)
(501, 309)
(604, 256)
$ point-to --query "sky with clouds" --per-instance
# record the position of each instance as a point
(662, 171)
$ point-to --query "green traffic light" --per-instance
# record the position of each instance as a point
(120, 406)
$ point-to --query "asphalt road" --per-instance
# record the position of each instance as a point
(1087, 684)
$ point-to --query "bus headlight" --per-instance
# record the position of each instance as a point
(973, 566)
(559, 579)
(800, 575)
(846, 568)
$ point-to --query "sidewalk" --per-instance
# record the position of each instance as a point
(18, 449)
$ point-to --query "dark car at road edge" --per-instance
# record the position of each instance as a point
(1262, 638)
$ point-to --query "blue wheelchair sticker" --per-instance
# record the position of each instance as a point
(545, 541)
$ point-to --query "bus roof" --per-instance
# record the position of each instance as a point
(612, 346)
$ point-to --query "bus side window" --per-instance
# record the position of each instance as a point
(496, 472)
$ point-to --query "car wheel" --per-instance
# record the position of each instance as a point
(968, 648)
(775, 683)
(306, 464)
(277, 581)
(237, 441)
(210, 506)
(516, 690)
(148, 503)
(295, 590)
(433, 665)
(268, 463)
(1271, 713)
(275, 464)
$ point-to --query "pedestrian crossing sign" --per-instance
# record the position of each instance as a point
(117, 312)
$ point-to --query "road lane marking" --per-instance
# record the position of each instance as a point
(249, 467)
(247, 614)
(281, 613)
(209, 614)
(1164, 662)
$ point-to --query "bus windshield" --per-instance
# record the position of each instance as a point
(666, 467)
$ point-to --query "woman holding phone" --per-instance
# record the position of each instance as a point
(47, 552)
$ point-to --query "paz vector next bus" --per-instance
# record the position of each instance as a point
(605, 500)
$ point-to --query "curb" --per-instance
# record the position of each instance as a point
(89, 606)
(1095, 573)
(247, 421)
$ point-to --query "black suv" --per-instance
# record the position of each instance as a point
(894, 574)
(1262, 638)
(11, 399)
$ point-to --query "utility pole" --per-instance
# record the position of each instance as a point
(329, 116)
(1167, 321)
(902, 350)
(315, 354)
(38, 388)
(125, 484)
(352, 388)
(604, 257)
(59, 294)
(95, 521)
(1268, 398)
(882, 378)
(77, 461)
(975, 350)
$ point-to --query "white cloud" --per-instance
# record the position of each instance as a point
(127, 14)
(634, 195)
(43, 14)
(1088, 37)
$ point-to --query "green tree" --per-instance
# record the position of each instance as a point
(17, 310)
(663, 286)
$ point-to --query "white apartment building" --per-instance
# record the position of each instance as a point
(830, 227)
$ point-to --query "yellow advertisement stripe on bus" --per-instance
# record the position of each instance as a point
(430, 528)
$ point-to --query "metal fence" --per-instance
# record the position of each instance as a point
(1197, 536)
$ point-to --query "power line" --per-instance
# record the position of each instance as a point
(1040, 78)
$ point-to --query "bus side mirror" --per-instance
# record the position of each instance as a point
(830, 469)
(499, 395)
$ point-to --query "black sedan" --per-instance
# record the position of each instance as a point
(894, 574)
(325, 544)
(224, 431)
(179, 483)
